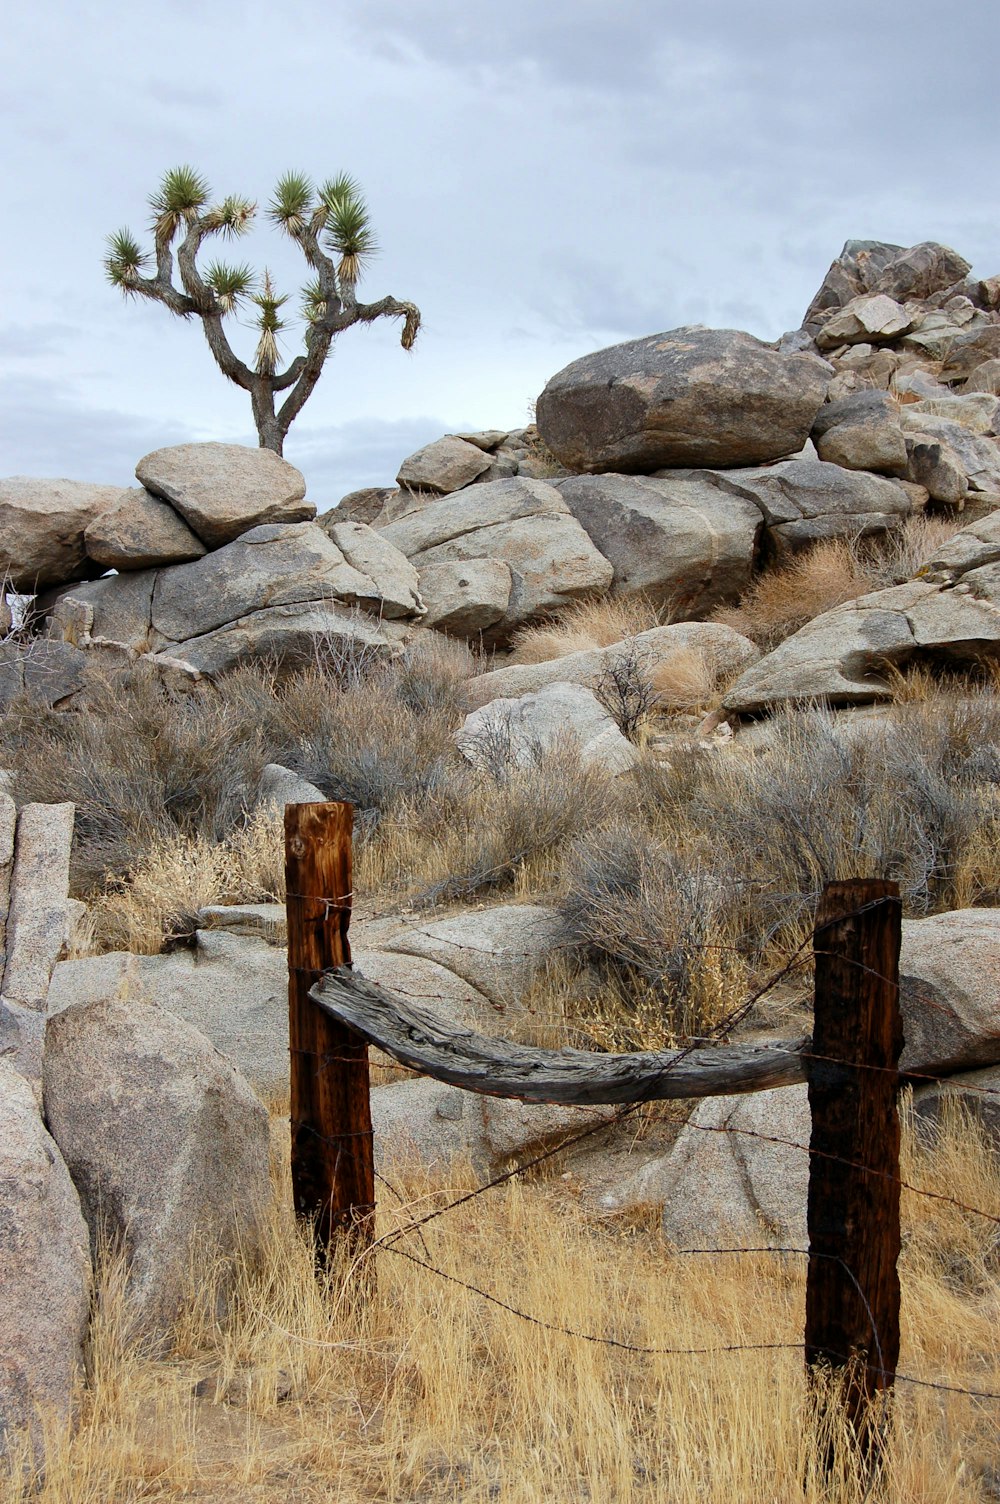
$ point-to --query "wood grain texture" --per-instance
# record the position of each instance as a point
(852, 1293)
(333, 1179)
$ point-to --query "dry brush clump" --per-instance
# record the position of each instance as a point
(293, 1390)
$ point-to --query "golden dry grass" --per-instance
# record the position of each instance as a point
(584, 627)
(433, 1393)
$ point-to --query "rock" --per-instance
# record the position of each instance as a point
(49, 672)
(167, 1145)
(941, 331)
(8, 828)
(969, 349)
(985, 378)
(677, 539)
(920, 271)
(365, 506)
(488, 439)
(977, 543)
(975, 1093)
(261, 921)
(722, 1186)
(725, 651)
(37, 928)
(515, 1128)
(6, 617)
(429, 1123)
(978, 457)
(949, 969)
(116, 609)
(864, 319)
(397, 586)
(691, 396)
(853, 273)
(465, 598)
(524, 522)
(272, 565)
(861, 432)
(446, 465)
(280, 786)
(515, 732)
(290, 637)
(139, 531)
(42, 526)
(804, 501)
(223, 490)
(44, 1273)
(979, 412)
(937, 468)
(496, 950)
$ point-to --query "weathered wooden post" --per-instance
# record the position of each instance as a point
(852, 1293)
(333, 1178)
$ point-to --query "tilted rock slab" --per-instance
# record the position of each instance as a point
(725, 651)
(865, 320)
(678, 540)
(42, 527)
(804, 501)
(45, 1272)
(222, 490)
(528, 525)
(139, 531)
(165, 1140)
(688, 397)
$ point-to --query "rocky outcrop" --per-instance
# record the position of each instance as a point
(42, 527)
(516, 732)
(691, 396)
(866, 267)
(166, 1143)
(223, 490)
(44, 1273)
(805, 501)
(525, 523)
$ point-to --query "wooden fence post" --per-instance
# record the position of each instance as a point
(333, 1178)
(852, 1293)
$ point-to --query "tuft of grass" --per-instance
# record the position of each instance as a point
(583, 627)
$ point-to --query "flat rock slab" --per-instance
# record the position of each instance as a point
(45, 1271)
(42, 527)
(515, 732)
(37, 927)
(690, 396)
(221, 490)
(290, 637)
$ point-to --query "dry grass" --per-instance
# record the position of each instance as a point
(432, 1393)
(688, 680)
(584, 627)
(782, 600)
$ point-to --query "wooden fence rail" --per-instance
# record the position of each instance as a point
(851, 1065)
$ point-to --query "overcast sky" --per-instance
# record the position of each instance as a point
(545, 178)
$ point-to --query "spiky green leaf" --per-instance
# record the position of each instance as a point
(269, 303)
(348, 226)
(232, 217)
(232, 285)
(181, 194)
(291, 202)
(313, 305)
(125, 260)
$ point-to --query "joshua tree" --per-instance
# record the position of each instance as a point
(333, 216)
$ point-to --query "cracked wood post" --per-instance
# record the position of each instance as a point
(852, 1291)
(333, 1176)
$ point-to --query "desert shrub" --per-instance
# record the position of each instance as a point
(625, 689)
(780, 601)
(585, 626)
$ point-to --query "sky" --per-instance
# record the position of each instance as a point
(545, 177)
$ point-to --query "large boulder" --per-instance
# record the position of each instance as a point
(222, 490)
(921, 271)
(949, 969)
(42, 527)
(446, 465)
(467, 597)
(690, 396)
(865, 319)
(288, 637)
(525, 523)
(513, 732)
(854, 272)
(139, 531)
(723, 651)
(396, 582)
(977, 457)
(44, 1272)
(679, 540)
(167, 1144)
(496, 950)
